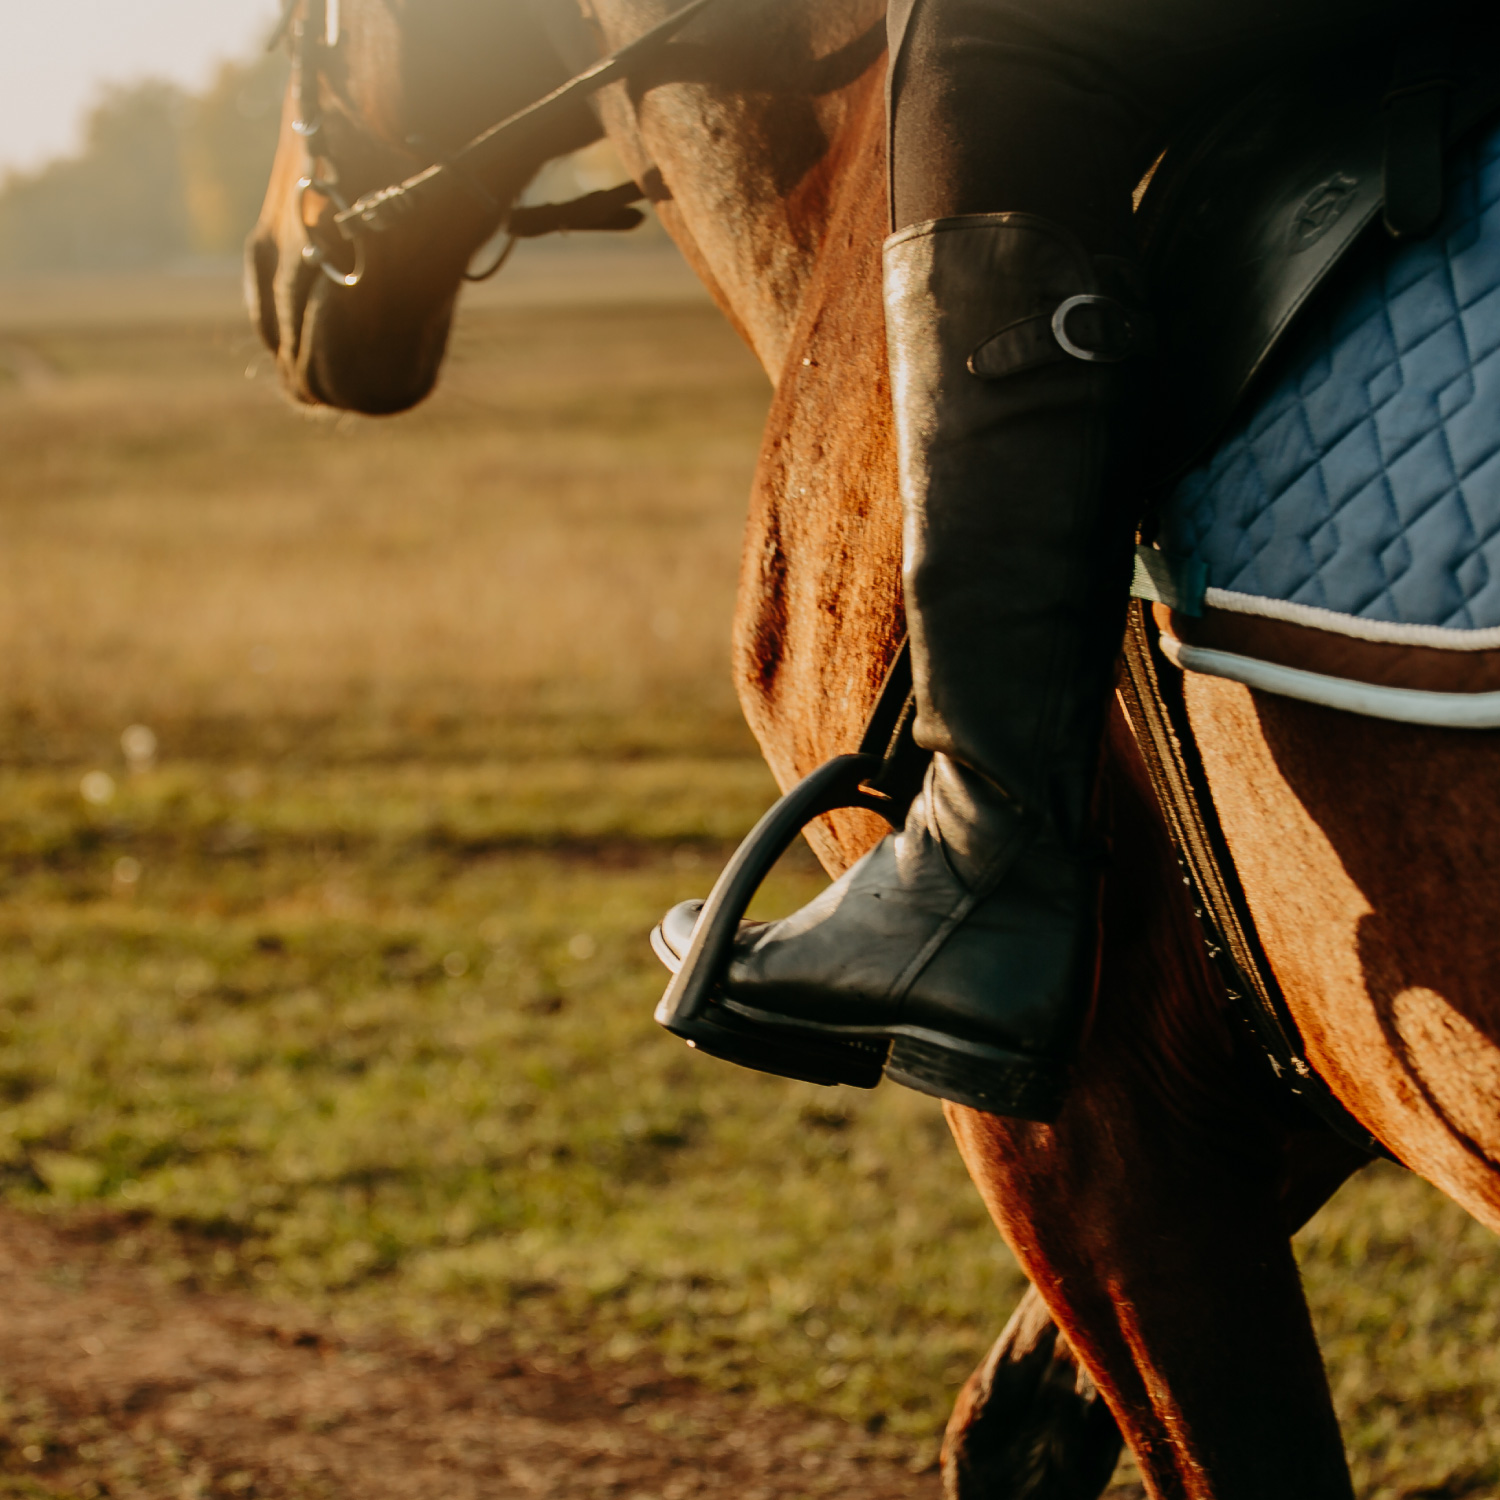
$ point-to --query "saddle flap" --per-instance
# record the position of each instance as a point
(1246, 220)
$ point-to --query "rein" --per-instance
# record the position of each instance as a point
(378, 211)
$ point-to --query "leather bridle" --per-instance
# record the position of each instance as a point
(314, 26)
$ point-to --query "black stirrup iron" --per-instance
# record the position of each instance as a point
(883, 783)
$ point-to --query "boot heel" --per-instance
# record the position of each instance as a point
(979, 1077)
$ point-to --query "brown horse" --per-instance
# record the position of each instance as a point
(1154, 1217)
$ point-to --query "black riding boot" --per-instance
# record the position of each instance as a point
(970, 939)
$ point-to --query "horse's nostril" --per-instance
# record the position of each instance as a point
(264, 257)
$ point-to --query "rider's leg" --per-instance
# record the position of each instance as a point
(971, 937)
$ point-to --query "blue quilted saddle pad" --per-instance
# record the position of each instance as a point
(1364, 477)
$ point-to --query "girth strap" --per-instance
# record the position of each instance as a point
(1153, 705)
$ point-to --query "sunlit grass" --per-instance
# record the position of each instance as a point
(379, 1038)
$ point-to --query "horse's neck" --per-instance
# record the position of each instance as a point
(739, 148)
(775, 189)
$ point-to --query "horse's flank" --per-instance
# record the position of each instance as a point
(1367, 850)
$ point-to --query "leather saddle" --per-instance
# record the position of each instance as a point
(1243, 226)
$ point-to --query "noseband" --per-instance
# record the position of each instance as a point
(314, 27)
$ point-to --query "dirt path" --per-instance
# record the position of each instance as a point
(113, 1383)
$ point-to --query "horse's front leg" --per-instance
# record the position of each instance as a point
(1189, 1317)
(1030, 1424)
(1153, 1218)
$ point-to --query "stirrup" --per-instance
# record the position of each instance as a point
(884, 777)
(689, 1008)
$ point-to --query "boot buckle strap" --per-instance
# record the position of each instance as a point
(1088, 327)
(1099, 330)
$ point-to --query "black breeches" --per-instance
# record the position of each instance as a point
(1057, 107)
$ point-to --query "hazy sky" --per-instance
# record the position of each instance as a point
(55, 53)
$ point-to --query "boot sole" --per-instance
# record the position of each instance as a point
(974, 1074)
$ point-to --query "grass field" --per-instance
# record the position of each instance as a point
(341, 993)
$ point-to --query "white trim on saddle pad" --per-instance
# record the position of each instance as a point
(1438, 636)
(1405, 705)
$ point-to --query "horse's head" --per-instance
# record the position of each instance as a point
(379, 90)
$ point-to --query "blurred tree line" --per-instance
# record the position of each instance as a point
(163, 176)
